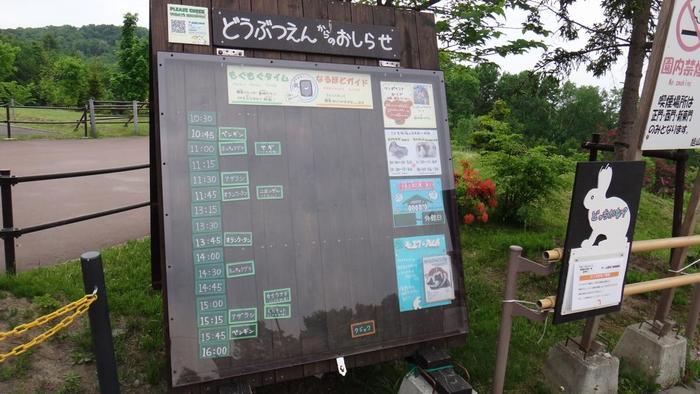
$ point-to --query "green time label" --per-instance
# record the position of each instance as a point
(214, 350)
(213, 286)
(204, 256)
(213, 303)
(201, 133)
(213, 335)
(206, 209)
(208, 240)
(279, 311)
(270, 148)
(211, 319)
(206, 225)
(204, 163)
(243, 331)
(204, 118)
(209, 271)
(201, 148)
(209, 178)
(201, 194)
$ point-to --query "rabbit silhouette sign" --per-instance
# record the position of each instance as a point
(603, 211)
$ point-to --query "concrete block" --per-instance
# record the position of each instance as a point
(415, 384)
(566, 370)
(663, 359)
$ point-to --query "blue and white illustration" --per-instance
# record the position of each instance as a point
(417, 202)
(408, 256)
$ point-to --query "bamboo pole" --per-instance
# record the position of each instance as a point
(638, 288)
(645, 245)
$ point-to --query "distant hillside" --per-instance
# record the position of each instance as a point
(90, 41)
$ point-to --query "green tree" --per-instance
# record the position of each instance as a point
(8, 53)
(95, 84)
(531, 98)
(65, 82)
(130, 81)
(628, 25)
(582, 113)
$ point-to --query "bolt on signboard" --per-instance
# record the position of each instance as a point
(674, 73)
(599, 234)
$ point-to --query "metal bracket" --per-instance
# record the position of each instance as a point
(230, 52)
(389, 63)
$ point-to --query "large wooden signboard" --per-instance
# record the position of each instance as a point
(307, 212)
(300, 167)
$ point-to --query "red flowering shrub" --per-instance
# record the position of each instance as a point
(475, 196)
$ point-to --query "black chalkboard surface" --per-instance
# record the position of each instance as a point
(282, 185)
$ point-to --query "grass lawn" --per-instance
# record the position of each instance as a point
(67, 130)
(137, 311)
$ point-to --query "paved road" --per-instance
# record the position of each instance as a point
(46, 201)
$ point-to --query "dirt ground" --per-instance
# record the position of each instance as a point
(47, 201)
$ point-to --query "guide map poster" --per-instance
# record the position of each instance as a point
(408, 105)
(409, 254)
(251, 85)
(412, 152)
(602, 216)
(417, 202)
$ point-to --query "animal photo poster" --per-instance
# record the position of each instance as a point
(412, 152)
(599, 234)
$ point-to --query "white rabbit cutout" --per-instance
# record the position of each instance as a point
(608, 216)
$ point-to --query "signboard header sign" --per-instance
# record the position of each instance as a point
(671, 124)
(239, 29)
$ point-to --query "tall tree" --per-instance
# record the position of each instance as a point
(65, 81)
(628, 24)
(130, 81)
(8, 54)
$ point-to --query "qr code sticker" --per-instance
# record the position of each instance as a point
(178, 26)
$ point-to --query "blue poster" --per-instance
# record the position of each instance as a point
(417, 202)
(408, 255)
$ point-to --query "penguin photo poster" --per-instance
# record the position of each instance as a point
(599, 235)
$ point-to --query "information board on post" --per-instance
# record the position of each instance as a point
(301, 221)
(599, 235)
(672, 123)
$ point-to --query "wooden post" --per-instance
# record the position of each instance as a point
(679, 255)
(135, 109)
(93, 129)
(12, 109)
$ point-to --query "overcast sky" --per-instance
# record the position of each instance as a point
(37, 13)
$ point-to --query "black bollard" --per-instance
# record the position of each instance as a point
(100, 327)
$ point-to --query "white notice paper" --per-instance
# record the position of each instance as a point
(597, 277)
(437, 279)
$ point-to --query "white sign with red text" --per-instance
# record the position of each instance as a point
(672, 123)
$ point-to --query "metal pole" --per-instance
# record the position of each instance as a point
(693, 315)
(590, 331)
(93, 131)
(85, 119)
(7, 115)
(499, 374)
(135, 109)
(666, 300)
(100, 327)
(593, 152)
(7, 223)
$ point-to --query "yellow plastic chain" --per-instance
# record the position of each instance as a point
(80, 306)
